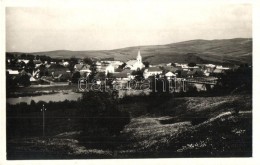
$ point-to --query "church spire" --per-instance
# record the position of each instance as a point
(139, 57)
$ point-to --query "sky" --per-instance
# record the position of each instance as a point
(118, 24)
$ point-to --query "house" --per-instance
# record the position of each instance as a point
(121, 76)
(33, 80)
(170, 75)
(13, 72)
(206, 73)
(97, 66)
(135, 64)
(210, 65)
(218, 72)
(37, 63)
(195, 73)
(83, 69)
(65, 63)
(115, 64)
(221, 67)
(109, 69)
(125, 75)
(153, 71)
(78, 67)
(181, 65)
(23, 60)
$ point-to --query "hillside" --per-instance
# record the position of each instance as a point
(182, 127)
(225, 51)
(193, 127)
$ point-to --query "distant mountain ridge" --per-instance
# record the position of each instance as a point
(225, 51)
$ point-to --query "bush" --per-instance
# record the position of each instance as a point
(100, 115)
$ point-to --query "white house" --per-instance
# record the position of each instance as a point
(65, 63)
(109, 69)
(85, 71)
(13, 72)
(170, 75)
(210, 65)
(153, 71)
(221, 67)
(98, 66)
(135, 64)
(22, 60)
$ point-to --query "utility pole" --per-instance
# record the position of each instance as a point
(43, 120)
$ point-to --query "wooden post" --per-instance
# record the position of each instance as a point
(43, 120)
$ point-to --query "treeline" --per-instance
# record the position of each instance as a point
(26, 56)
(239, 79)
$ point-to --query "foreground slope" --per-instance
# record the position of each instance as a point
(181, 127)
(197, 127)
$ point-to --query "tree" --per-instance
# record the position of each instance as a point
(24, 80)
(138, 74)
(109, 75)
(10, 81)
(22, 64)
(88, 61)
(43, 71)
(173, 64)
(30, 66)
(146, 64)
(192, 64)
(122, 66)
(239, 79)
(14, 63)
(72, 61)
(100, 115)
(75, 77)
(23, 56)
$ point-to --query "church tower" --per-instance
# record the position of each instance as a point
(139, 57)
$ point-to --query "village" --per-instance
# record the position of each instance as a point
(33, 71)
(122, 105)
(128, 80)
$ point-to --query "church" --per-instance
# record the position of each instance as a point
(135, 64)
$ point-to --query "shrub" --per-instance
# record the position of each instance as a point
(100, 115)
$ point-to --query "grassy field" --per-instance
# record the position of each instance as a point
(180, 127)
